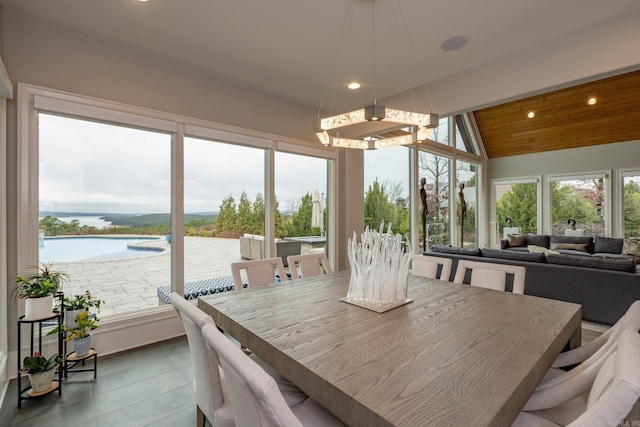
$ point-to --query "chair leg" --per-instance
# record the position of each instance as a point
(200, 418)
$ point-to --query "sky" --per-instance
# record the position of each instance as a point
(89, 167)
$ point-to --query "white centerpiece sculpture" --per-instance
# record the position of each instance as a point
(379, 270)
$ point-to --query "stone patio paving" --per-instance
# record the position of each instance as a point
(129, 284)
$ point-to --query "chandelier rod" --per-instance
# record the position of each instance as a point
(333, 63)
(415, 58)
(373, 37)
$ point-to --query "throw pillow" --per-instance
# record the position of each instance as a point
(582, 247)
(609, 245)
(515, 240)
(540, 250)
(631, 246)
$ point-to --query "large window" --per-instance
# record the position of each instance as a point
(578, 205)
(223, 199)
(105, 190)
(631, 201)
(516, 206)
(132, 208)
(435, 170)
(467, 204)
(387, 185)
(301, 195)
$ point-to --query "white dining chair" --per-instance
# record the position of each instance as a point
(611, 397)
(258, 272)
(309, 265)
(213, 402)
(491, 275)
(630, 320)
(588, 360)
(257, 401)
(427, 266)
(212, 396)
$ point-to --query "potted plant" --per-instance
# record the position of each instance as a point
(40, 370)
(74, 305)
(81, 335)
(38, 289)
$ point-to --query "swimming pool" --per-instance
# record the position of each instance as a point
(74, 249)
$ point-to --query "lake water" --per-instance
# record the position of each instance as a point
(91, 221)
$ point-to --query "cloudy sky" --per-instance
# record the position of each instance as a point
(97, 168)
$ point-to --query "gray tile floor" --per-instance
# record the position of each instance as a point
(149, 386)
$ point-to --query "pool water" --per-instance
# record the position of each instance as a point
(73, 249)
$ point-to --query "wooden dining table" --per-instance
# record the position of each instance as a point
(455, 356)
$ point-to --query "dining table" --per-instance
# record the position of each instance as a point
(456, 355)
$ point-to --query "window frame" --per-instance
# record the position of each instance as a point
(35, 99)
(619, 229)
(548, 197)
(532, 179)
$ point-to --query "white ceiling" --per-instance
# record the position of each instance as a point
(287, 47)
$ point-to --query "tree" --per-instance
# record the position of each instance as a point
(258, 215)
(226, 220)
(278, 221)
(569, 202)
(300, 224)
(377, 207)
(520, 204)
(631, 209)
(244, 219)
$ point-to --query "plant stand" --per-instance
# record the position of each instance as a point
(71, 360)
(26, 393)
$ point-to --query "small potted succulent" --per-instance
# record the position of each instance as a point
(81, 335)
(40, 370)
(38, 289)
(74, 305)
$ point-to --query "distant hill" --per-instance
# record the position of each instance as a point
(151, 220)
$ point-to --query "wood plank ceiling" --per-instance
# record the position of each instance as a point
(564, 119)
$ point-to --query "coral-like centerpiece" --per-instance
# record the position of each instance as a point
(379, 271)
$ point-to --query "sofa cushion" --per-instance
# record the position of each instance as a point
(574, 239)
(456, 250)
(627, 265)
(513, 255)
(537, 239)
(582, 247)
(631, 246)
(515, 240)
(608, 244)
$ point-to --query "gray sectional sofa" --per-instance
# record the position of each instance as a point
(605, 283)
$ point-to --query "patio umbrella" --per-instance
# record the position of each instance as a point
(316, 215)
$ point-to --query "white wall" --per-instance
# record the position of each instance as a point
(601, 157)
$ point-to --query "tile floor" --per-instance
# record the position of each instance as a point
(149, 386)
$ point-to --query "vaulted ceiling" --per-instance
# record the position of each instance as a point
(564, 119)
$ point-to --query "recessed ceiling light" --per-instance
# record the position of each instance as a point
(531, 114)
(592, 101)
(354, 85)
(454, 43)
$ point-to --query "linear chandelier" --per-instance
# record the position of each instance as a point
(417, 126)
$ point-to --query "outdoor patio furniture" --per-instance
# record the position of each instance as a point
(252, 248)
